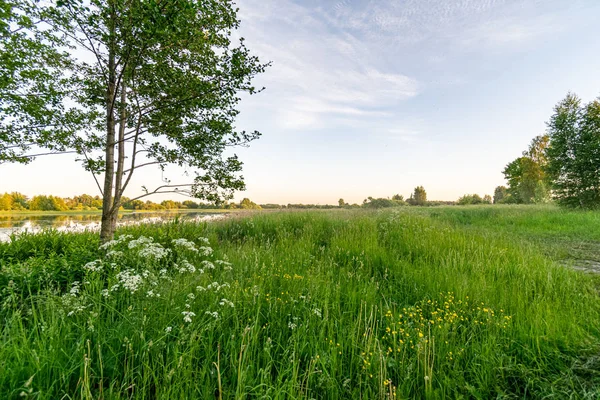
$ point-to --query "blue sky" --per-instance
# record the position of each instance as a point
(374, 97)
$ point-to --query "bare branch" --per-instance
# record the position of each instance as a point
(159, 190)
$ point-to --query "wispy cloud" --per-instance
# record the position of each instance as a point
(318, 74)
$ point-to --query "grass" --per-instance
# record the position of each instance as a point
(412, 303)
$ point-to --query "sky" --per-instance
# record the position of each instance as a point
(375, 97)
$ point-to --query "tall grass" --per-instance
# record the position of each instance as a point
(298, 305)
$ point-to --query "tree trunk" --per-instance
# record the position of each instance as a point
(108, 225)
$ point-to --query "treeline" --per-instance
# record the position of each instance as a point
(563, 164)
(19, 202)
(417, 198)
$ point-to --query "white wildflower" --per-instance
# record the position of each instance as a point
(141, 241)
(105, 293)
(292, 326)
(130, 280)
(168, 329)
(213, 314)
(153, 250)
(74, 289)
(114, 254)
(208, 264)
(94, 266)
(187, 316)
(203, 240)
(204, 250)
(317, 312)
(187, 266)
(191, 296)
(226, 302)
(186, 244)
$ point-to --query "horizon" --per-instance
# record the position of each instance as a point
(372, 98)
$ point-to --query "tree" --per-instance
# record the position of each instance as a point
(247, 204)
(574, 152)
(47, 203)
(500, 194)
(6, 202)
(420, 196)
(160, 85)
(487, 199)
(341, 203)
(524, 173)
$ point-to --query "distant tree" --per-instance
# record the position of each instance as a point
(487, 199)
(20, 201)
(500, 194)
(574, 152)
(380, 203)
(469, 199)
(524, 173)
(247, 204)
(341, 203)
(190, 204)
(169, 204)
(47, 203)
(398, 197)
(6, 202)
(420, 196)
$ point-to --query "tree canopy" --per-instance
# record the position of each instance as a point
(126, 85)
(574, 152)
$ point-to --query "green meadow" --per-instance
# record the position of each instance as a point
(412, 303)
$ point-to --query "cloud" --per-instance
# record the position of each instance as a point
(318, 75)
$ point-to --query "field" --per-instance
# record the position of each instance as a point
(443, 302)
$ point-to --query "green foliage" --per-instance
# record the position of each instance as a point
(371, 202)
(526, 172)
(247, 204)
(47, 203)
(419, 197)
(325, 305)
(574, 152)
(106, 78)
(6, 202)
(500, 194)
(474, 199)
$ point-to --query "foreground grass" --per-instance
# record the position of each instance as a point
(397, 304)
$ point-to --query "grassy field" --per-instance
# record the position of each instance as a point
(448, 302)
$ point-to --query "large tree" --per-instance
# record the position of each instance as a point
(126, 84)
(574, 152)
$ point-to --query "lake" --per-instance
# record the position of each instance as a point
(71, 222)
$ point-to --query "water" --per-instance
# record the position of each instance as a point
(16, 223)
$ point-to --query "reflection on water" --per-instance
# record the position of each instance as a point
(12, 224)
